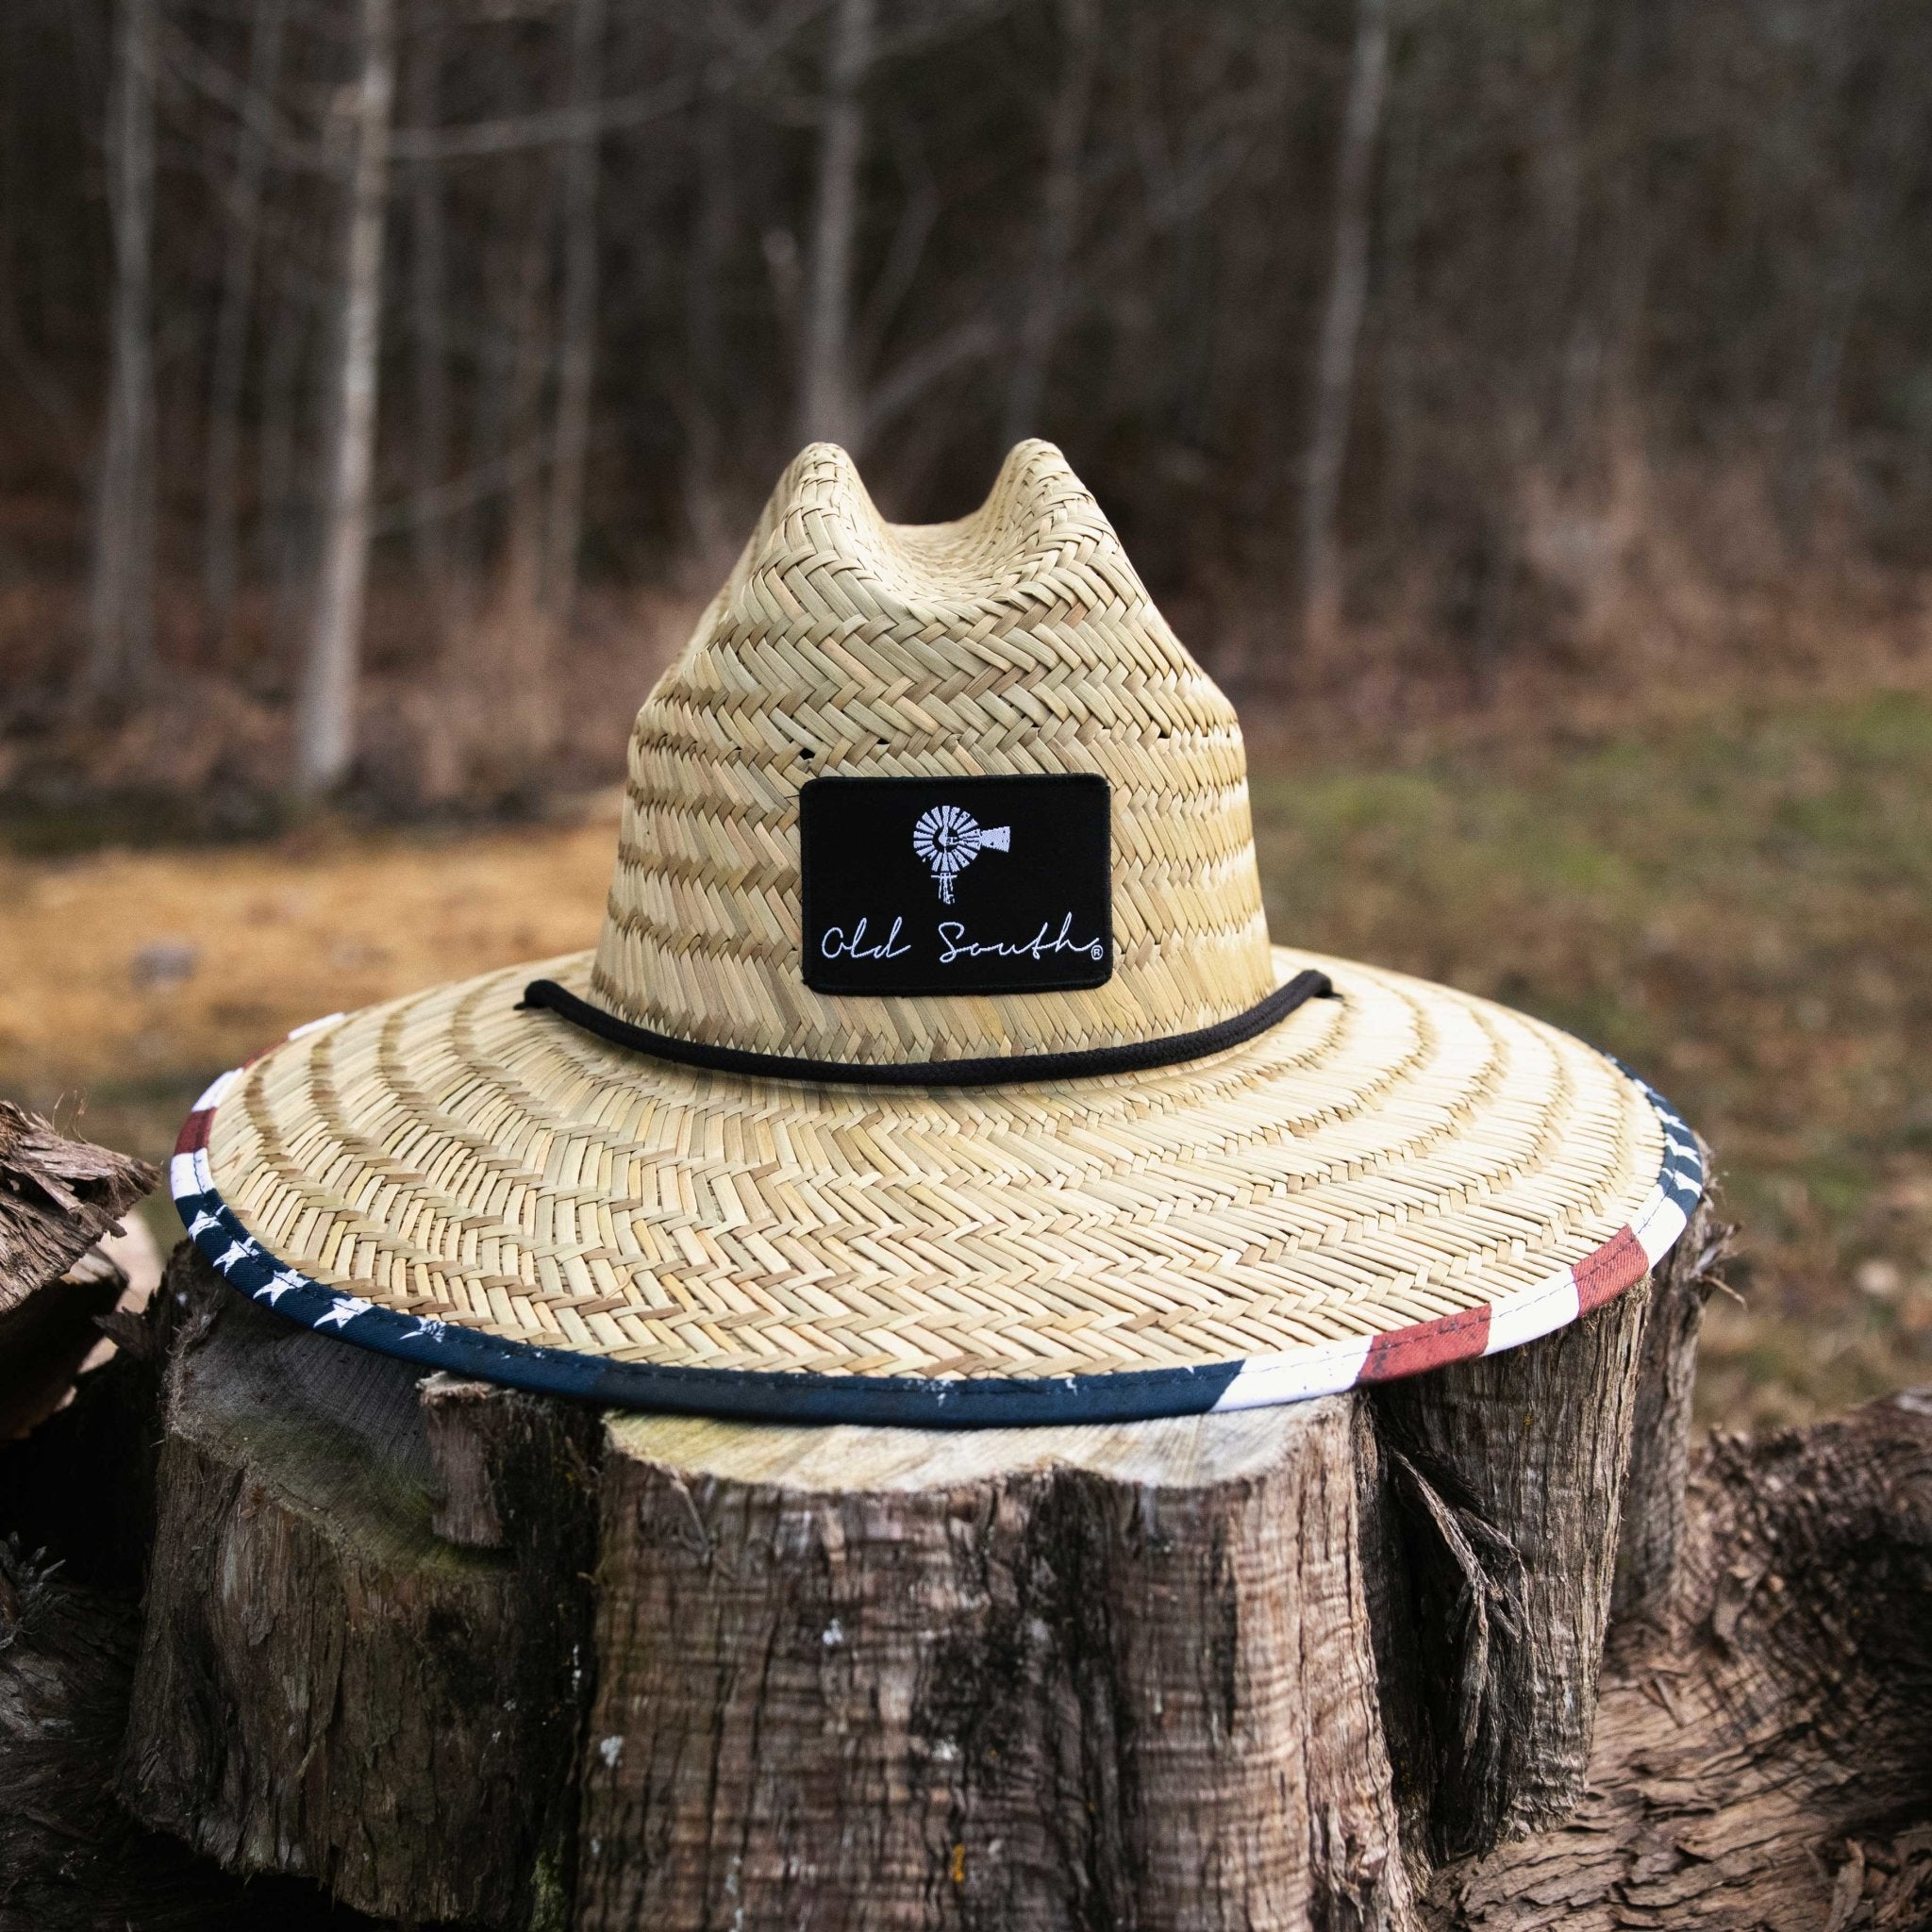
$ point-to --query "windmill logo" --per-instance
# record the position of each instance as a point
(949, 839)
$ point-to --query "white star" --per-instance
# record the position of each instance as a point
(345, 1309)
(280, 1283)
(428, 1328)
(238, 1250)
(200, 1224)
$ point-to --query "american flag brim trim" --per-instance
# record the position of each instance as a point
(920, 1402)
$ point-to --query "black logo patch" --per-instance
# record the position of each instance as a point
(956, 885)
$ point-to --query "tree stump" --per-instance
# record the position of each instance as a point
(1760, 1761)
(1083, 1676)
(1401, 1660)
(1489, 1650)
(460, 1654)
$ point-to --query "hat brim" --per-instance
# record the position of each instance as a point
(1403, 1176)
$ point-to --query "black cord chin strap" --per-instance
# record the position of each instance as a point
(545, 995)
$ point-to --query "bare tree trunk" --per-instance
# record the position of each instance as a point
(222, 536)
(1814, 419)
(1860, 218)
(703, 332)
(121, 614)
(1341, 323)
(828, 407)
(1399, 303)
(325, 712)
(524, 534)
(509, 655)
(1059, 209)
(577, 324)
(429, 445)
(279, 534)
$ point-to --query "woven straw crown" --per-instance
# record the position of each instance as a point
(1014, 641)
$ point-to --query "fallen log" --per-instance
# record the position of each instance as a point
(57, 1198)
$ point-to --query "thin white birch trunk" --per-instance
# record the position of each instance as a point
(221, 537)
(1399, 300)
(1059, 209)
(326, 710)
(121, 615)
(577, 324)
(1341, 322)
(829, 403)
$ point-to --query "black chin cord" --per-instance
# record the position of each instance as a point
(545, 995)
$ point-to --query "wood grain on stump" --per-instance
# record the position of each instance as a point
(1099, 1677)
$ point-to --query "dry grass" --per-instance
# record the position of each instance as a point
(1737, 897)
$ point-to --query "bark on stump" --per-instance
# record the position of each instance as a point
(57, 1198)
(469, 1657)
(463, 1654)
(1507, 1477)
(1761, 1762)
(1101, 1676)
(364, 1640)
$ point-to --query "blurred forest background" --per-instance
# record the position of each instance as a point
(1525, 409)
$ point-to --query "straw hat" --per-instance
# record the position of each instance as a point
(934, 1064)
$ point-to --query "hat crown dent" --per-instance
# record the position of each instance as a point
(1017, 640)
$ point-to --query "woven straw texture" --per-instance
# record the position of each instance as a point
(1375, 1162)
(1016, 641)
